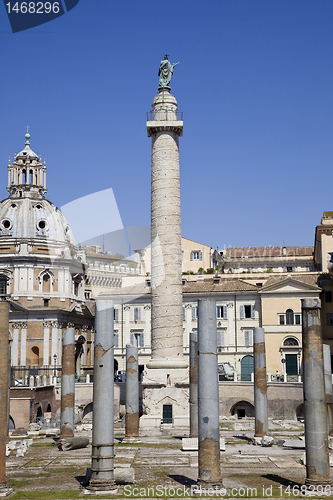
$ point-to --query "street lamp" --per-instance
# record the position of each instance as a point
(55, 365)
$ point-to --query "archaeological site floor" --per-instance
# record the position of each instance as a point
(163, 470)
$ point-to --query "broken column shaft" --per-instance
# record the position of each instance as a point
(132, 392)
(328, 387)
(260, 383)
(193, 384)
(68, 383)
(209, 473)
(102, 460)
(4, 383)
(315, 410)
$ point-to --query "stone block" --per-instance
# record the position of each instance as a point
(256, 440)
(20, 451)
(267, 441)
(296, 444)
(191, 444)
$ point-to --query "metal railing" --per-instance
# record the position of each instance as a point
(164, 115)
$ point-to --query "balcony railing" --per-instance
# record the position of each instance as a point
(164, 115)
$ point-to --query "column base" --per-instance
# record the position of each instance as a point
(165, 395)
(318, 482)
(5, 492)
(101, 487)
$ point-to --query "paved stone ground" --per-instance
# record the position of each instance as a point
(161, 465)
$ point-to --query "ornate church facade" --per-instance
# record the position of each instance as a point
(41, 273)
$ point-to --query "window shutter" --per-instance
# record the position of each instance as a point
(194, 312)
(242, 312)
(132, 339)
(225, 312)
(116, 339)
(246, 337)
(220, 338)
(200, 255)
(116, 315)
(183, 313)
(253, 312)
(137, 314)
(191, 258)
(140, 342)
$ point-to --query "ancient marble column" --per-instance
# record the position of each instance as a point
(209, 473)
(4, 384)
(315, 410)
(68, 383)
(328, 387)
(166, 252)
(165, 380)
(132, 392)
(193, 384)
(260, 383)
(102, 460)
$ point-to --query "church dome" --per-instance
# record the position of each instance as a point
(26, 213)
(31, 218)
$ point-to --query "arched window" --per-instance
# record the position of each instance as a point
(46, 279)
(46, 283)
(289, 317)
(34, 356)
(290, 341)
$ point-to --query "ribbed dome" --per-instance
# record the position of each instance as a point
(31, 218)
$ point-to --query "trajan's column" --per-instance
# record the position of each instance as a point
(166, 378)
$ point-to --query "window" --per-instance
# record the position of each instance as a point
(329, 319)
(247, 311)
(289, 318)
(290, 269)
(220, 338)
(196, 255)
(183, 313)
(46, 302)
(221, 312)
(194, 312)
(137, 314)
(116, 315)
(137, 339)
(328, 296)
(290, 341)
(248, 338)
(46, 283)
(3, 285)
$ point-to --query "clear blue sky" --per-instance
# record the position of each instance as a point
(255, 83)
